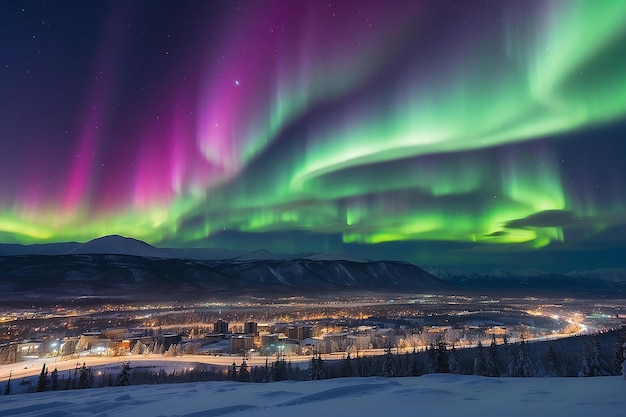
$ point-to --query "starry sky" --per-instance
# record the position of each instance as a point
(465, 134)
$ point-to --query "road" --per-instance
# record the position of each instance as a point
(32, 367)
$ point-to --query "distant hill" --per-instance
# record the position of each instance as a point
(119, 245)
(537, 282)
(12, 249)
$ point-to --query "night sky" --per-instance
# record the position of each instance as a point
(462, 134)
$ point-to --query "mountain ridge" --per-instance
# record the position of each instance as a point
(59, 277)
(118, 265)
(122, 245)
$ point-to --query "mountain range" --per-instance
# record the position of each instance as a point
(125, 268)
(120, 245)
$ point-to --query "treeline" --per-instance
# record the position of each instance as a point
(583, 356)
(81, 377)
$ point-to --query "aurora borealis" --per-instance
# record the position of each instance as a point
(470, 133)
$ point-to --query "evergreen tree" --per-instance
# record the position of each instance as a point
(585, 367)
(289, 370)
(266, 371)
(431, 366)
(387, 363)
(597, 363)
(442, 357)
(551, 369)
(244, 374)
(173, 350)
(480, 367)
(85, 379)
(413, 364)
(346, 366)
(526, 367)
(316, 368)
(511, 363)
(454, 362)
(42, 382)
(618, 351)
(623, 366)
(256, 375)
(54, 380)
(492, 358)
(139, 348)
(74, 381)
(7, 388)
(360, 366)
(279, 368)
(123, 378)
(232, 372)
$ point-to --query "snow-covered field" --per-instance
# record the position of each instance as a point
(431, 395)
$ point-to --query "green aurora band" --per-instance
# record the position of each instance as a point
(518, 92)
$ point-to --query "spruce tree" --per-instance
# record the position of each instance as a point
(585, 367)
(492, 358)
(442, 357)
(551, 369)
(618, 351)
(123, 378)
(42, 382)
(85, 379)
(387, 363)
(431, 366)
(139, 348)
(289, 373)
(526, 367)
(232, 372)
(74, 381)
(413, 364)
(479, 360)
(244, 374)
(511, 363)
(597, 362)
(279, 368)
(623, 366)
(316, 368)
(454, 364)
(54, 380)
(7, 388)
(346, 366)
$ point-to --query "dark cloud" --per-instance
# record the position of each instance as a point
(499, 233)
(547, 218)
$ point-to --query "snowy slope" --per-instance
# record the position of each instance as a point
(432, 395)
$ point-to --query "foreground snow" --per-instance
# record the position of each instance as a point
(441, 395)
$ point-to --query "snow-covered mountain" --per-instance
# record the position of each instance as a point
(441, 395)
(113, 245)
(119, 245)
(40, 277)
(115, 264)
